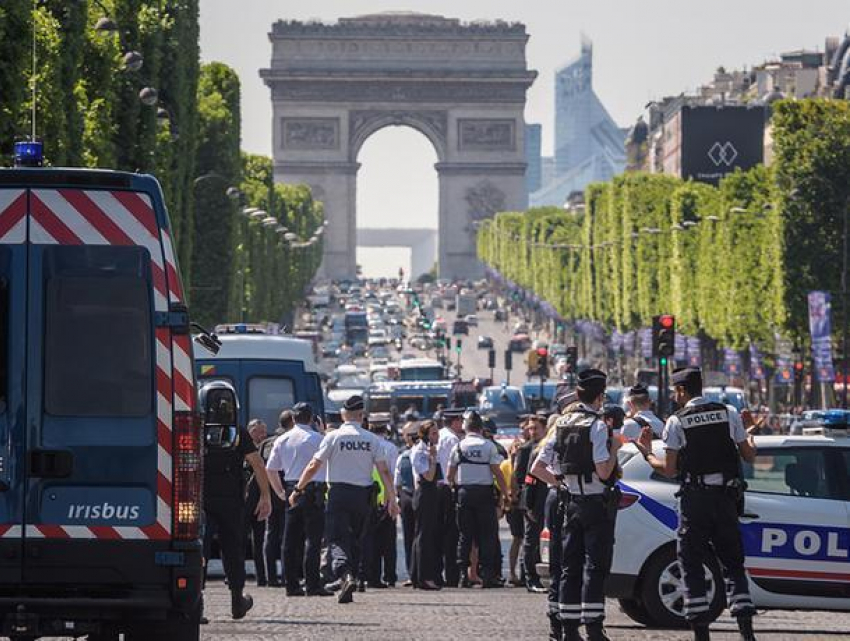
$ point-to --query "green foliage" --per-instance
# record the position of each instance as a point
(733, 263)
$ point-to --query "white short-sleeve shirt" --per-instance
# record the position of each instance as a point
(293, 450)
(350, 453)
(473, 457)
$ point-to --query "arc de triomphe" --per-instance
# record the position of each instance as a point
(461, 85)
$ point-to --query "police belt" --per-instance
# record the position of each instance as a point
(582, 498)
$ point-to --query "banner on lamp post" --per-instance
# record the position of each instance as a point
(820, 326)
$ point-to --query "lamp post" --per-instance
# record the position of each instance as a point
(845, 322)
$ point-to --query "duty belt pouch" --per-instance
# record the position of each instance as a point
(612, 501)
(738, 490)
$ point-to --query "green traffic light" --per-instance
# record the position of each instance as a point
(663, 361)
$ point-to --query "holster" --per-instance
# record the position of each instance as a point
(612, 496)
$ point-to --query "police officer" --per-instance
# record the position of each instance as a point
(473, 466)
(532, 503)
(449, 436)
(405, 488)
(273, 546)
(585, 455)
(226, 447)
(640, 414)
(704, 443)
(305, 521)
(256, 528)
(350, 453)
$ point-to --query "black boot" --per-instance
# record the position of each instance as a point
(745, 625)
(595, 632)
(240, 604)
(701, 633)
(555, 628)
(569, 631)
(464, 580)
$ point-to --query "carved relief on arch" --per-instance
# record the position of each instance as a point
(364, 122)
(484, 200)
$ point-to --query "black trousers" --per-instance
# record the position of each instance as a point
(588, 545)
(554, 516)
(408, 524)
(708, 529)
(425, 563)
(477, 524)
(226, 518)
(257, 530)
(273, 547)
(383, 554)
(531, 545)
(449, 568)
(302, 537)
(346, 517)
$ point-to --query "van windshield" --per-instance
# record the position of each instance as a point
(268, 397)
(98, 344)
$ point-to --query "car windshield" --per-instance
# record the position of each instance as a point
(508, 400)
(727, 397)
(353, 381)
(380, 404)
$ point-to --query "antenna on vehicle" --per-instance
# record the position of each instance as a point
(29, 152)
(33, 81)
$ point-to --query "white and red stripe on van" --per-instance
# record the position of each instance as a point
(127, 218)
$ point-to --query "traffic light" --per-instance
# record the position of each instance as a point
(458, 345)
(542, 362)
(663, 336)
(509, 357)
(448, 342)
(798, 367)
(572, 359)
(491, 359)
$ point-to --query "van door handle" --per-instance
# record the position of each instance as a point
(56, 464)
(750, 516)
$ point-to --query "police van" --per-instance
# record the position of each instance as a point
(795, 528)
(269, 372)
(100, 448)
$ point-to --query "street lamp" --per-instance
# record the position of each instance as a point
(269, 221)
(148, 96)
(258, 215)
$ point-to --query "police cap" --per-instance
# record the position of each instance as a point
(638, 391)
(687, 376)
(592, 380)
(567, 399)
(353, 403)
(451, 413)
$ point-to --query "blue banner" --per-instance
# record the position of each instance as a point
(820, 325)
(756, 364)
(693, 351)
(731, 362)
(645, 337)
(680, 354)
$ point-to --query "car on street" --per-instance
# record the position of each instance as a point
(504, 404)
(519, 343)
(485, 342)
(460, 327)
(471, 320)
(794, 528)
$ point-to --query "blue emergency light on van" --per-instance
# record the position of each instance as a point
(29, 153)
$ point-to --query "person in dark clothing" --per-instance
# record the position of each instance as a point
(273, 548)
(256, 528)
(532, 503)
(425, 565)
(227, 447)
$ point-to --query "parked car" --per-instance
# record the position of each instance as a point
(460, 327)
(485, 342)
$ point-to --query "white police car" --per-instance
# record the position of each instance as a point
(795, 531)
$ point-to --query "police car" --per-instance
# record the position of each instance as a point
(794, 527)
(100, 442)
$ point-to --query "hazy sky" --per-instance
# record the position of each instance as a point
(642, 50)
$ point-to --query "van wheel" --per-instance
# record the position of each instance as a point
(662, 590)
(634, 609)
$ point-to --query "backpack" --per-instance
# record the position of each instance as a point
(573, 445)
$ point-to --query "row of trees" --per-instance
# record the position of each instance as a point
(95, 108)
(733, 263)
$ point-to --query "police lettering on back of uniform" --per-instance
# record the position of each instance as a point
(226, 446)
(704, 443)
(350, 453)
(583, 455)
(473, 467)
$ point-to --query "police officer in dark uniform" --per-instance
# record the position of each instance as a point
(704, 443)
(473, 466)
(226, 447)
(584, 454)
(350, 452)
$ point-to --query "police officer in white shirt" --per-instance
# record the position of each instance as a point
(640, 414)
(473, 466)
(450, 435)
(382, 558)
(305, 521)
(350, 453)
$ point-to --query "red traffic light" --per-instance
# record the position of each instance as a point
(798, 366)
(666, 321)
(542, 351)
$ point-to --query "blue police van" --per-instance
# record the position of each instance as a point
(100, 448)
(269, 372)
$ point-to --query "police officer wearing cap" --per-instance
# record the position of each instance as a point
(585, 455)
(349, 452)
(405, 487)
(473, 466)
(305, 520)
(449, 436)
(704, 443)
(640, 414)
(226, 447)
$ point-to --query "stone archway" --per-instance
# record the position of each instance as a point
(462, 85)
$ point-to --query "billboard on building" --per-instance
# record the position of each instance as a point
(714, 141)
